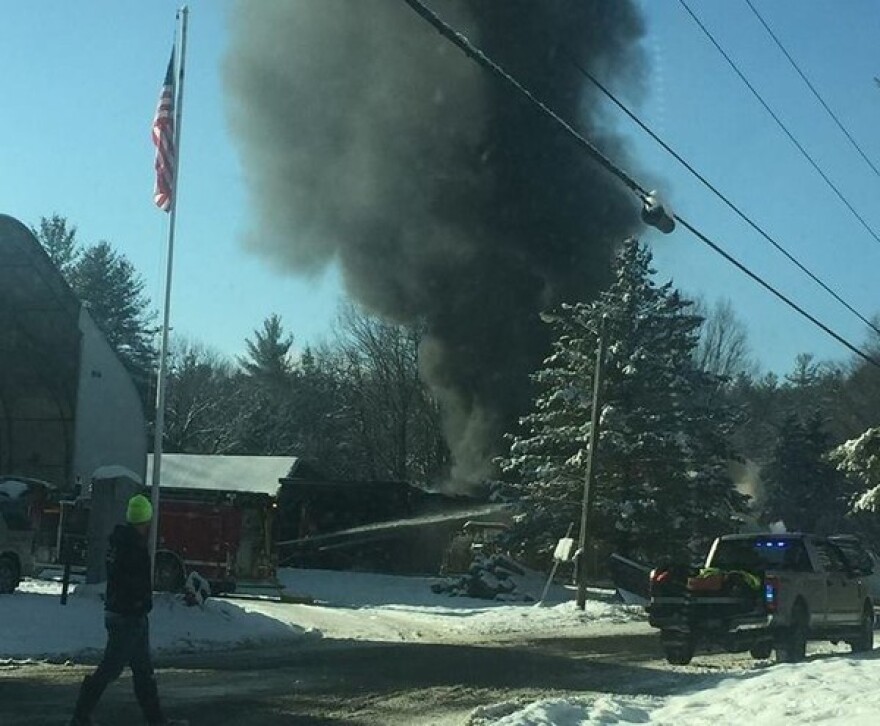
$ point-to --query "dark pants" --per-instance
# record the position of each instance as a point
(128, 644)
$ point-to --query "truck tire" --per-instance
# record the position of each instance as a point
(10, 574)
(865, 642)
(762, 651)
(792, 644)
(170, 575)
(679, 654)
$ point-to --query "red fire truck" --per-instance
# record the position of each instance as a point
(224, 536)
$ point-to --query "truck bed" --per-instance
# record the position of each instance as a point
(674, 606)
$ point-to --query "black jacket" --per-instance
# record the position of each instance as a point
(129, 580)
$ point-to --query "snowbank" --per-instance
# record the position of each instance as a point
(411, 609)
(835, 689)
(360, 589)
(352, 606)
(36, 625)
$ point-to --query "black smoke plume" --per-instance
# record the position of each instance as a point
(368, 140)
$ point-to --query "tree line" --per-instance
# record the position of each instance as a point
(694, 441)
(685, 408)
(353, 405)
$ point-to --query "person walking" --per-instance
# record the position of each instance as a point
(128, 602)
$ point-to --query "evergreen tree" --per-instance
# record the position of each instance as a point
(267, 420)
(58, 238)
(268, 353)
(114, 292)
(859, 460)
(760, 400)
(803, 488)
(662, 482)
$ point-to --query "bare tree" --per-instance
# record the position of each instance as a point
(724, 346)
(395, 418)
(202, 401)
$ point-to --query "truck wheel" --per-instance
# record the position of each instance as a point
(762, 651)
(679, 654)
(9, 574)
(170, 576)
(792, 646)
(865, 642)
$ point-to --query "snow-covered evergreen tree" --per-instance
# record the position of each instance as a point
(859, 460)
(662, 484)
(802, 487)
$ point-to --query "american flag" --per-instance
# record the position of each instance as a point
(163, 138)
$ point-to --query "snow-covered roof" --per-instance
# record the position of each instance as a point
(12, 487)
(256, 474)
(115, 471)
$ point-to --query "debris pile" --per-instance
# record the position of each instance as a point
(494, 577)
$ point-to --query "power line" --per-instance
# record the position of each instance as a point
(718, 193)
(475, 54)
(780, 123)
(812, 88)
(781, 296)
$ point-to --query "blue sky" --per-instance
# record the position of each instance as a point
(82, 79)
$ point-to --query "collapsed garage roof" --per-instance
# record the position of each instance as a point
(39, 358)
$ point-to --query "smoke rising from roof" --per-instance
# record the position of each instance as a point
(369, 141)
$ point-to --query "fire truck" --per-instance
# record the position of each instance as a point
(226, 537)
(210, 522)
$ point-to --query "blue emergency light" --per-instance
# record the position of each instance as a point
(771, 543)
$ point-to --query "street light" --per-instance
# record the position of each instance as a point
(657, 213)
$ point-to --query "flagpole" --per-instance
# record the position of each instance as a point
(182, 16)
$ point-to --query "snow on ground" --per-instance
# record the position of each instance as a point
(35, 624)
(830, 690)
(409, 603)
(351, 606)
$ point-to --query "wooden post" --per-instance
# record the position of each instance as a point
(65, 579)
(589, 477)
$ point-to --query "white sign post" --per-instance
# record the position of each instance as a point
(562, 553)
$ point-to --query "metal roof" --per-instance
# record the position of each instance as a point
(256, 474)
(39, 359)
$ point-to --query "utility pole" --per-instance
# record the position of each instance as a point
(590, 475)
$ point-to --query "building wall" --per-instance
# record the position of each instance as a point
(110, 424)
(39, 354)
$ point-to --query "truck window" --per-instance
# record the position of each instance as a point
(855, 555)
(830, 559)
(760, 554)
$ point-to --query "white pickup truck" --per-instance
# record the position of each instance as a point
(758, 593)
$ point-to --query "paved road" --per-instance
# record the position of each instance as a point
(337, 682)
